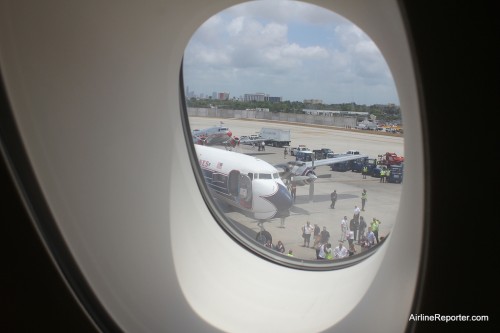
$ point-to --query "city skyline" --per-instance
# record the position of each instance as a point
(287, 49)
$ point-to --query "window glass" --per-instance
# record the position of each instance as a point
(275, 78)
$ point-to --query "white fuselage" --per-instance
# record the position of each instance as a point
(244, 181)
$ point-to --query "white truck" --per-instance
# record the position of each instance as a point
(275, 137)
(295, 150)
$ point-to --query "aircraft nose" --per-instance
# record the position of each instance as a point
(282, 200)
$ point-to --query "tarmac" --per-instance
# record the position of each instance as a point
(382, 201)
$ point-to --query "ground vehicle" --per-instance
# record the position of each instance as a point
(275, 137)
(357, 165)
(375, 172)
(342, 166)
(390, 159)
(297, 149)
(304, 156)
(323, 153)
(396, 174)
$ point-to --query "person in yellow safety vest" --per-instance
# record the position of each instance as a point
(363, 199)
(382, 175)
(364, 171)
(387, 174)
(290, 253)
(374, 225)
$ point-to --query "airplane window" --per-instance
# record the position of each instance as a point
(272, 79)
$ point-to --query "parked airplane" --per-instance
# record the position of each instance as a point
(216, 135)
(243, 181)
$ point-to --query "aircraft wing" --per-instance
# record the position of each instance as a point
(250, 141)
(333, 160)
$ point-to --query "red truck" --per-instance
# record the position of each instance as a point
(390, 159)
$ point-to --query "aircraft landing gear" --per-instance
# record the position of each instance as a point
(263, 236)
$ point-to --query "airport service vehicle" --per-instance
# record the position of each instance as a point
(396, 175)
(357, 165)
(304, 156)
(343, 166)
(390, 159)
(375, 172)
(323, 153)
(299, 148)
(275, 137)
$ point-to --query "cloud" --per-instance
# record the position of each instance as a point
(293, 50)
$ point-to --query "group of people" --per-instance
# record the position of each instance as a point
(278, 247)
(384, 174)
(354, 231)
(333, 198)
(357, 230)
(322, 245)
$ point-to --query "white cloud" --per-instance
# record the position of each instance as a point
(249, 48)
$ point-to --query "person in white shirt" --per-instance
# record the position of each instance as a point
(324, 249)
(370, 238)
(306, 233)
(350, 237)
(340, 251)
(357, 211)
(343, 229)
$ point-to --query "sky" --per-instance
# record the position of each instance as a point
(287, 49)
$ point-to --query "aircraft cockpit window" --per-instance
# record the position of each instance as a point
(244, 73)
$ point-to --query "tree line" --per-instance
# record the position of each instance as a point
(384, 112)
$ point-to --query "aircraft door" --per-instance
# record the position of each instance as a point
(233, 183)
(245, 191)
(240, 188)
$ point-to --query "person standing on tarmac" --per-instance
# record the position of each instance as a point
(382, 175)
(317, 236)
(294, 191)
(333, 197)
(363, 199)
(306, 232)
(357, 211)
(343, 229)
(361, 230)
(325, 236)
(354, 225)
(340, 251)
(364, 171)
(374, 227)
(280, 247)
